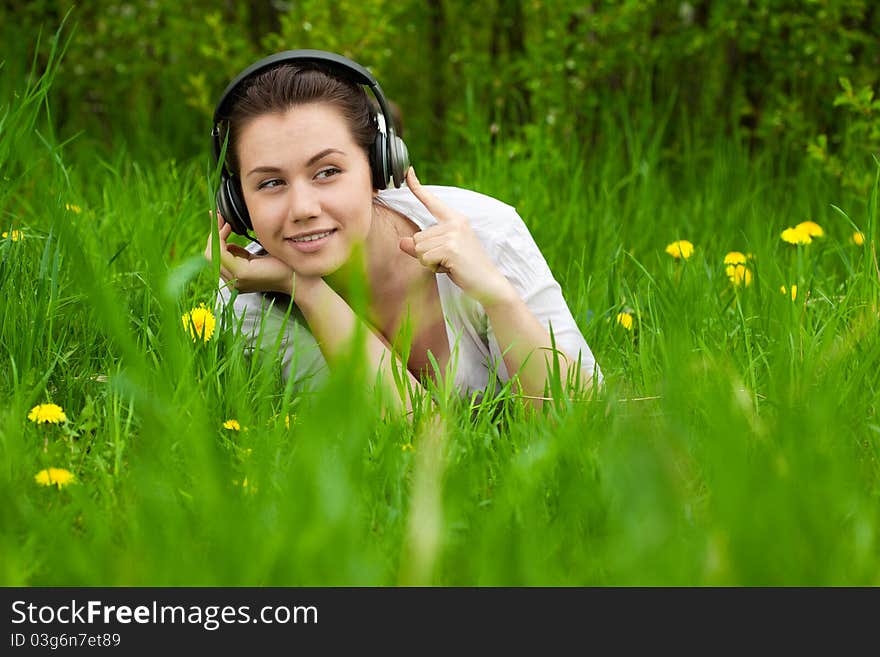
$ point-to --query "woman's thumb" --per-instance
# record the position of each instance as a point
(408, 246)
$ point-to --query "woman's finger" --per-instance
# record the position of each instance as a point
(433, 260)
(436, 207)
(437, 230)
(425, 245)
(224, 234)
(407, 245)
(230, 261)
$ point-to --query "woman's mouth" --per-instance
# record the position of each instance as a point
(311, 243)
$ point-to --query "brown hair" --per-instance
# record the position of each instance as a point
(287, 85)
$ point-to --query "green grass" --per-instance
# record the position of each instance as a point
(737, 441)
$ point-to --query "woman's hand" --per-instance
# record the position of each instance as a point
(247, 272)
(451, 247)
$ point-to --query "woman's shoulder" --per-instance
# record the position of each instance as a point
(489, 216)
(468, 199)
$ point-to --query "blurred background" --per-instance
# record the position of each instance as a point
(792, 76)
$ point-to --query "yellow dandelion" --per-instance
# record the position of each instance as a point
(406, 448)
(796, 236)
(680, 249)
(858, 238)
(784, 290)
(72, 208)
(625, 320)
(43, 413)
(54, 476)
(200, 322)
(232, 424)
(735, 258)
(739, 275)
(811, 228)
(14, 235)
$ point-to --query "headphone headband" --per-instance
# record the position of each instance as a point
(358, 74)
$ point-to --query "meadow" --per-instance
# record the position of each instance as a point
(736, 440)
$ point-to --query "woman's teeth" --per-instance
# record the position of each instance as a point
(312, 238)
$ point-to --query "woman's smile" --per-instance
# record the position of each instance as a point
(310, 241)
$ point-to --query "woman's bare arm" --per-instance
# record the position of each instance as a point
(335, 325)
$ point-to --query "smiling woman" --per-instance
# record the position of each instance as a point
(307, 169)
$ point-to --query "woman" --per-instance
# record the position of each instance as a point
(307, 165)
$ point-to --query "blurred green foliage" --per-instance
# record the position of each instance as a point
(767, 71)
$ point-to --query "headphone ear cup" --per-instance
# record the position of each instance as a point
(379, 162)
(399, 160)
(232, 206)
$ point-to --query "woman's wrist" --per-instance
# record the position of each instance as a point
(501, 293)
(306, 290)
(284, 285)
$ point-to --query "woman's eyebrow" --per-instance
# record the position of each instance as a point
(324, 153)
(312, 160)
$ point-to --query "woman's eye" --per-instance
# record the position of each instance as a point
(268, 183)
(332, 171)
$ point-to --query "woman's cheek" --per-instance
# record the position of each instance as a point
(266, 216)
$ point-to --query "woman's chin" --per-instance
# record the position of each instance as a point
(320, 264)
(316, 268)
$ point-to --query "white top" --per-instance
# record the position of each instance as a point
(509, 245)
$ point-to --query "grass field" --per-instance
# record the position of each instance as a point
(737, 441)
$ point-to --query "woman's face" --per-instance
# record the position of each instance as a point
(304, 176)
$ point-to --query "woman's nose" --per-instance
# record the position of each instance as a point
(304, 204)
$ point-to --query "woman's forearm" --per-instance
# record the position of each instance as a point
(525, 344)
(333, 324)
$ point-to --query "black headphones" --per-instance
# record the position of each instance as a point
(388, 156)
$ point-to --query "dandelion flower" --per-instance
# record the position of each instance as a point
(232, 424)
(793, 291)
(72, 208)
(200, 322)
(811, 228)
(680, 249)
(796, 236)
(625, 320)
(858, 238)
(735, 258)
(54, 476)
(739, 275)
(43, 413)
(736, 270)
(406, 447)
(14, 235)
